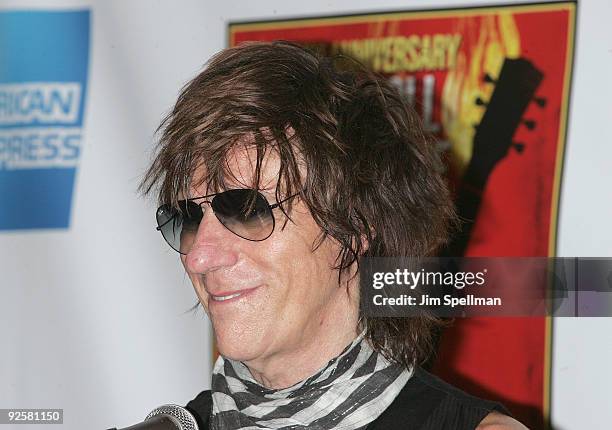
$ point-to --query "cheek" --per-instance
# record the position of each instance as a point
(309, 280)
(294, 252)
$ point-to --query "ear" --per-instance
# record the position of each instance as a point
(364, 245)
(351, 276)
(365, 242)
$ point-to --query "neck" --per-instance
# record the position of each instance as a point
(303, 357)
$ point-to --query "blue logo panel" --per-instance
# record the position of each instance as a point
(44, 58)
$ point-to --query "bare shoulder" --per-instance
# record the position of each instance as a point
(499, 421)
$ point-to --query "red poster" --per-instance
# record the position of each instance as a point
(492, 85)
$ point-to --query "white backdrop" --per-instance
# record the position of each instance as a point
(92, 318)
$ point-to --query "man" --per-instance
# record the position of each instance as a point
(278, 171)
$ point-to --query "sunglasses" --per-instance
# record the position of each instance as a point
(244, 212)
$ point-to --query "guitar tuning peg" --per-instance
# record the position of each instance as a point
(480, 102)
(540, 101)
(530, 124)
(488, 79)
(518, 147)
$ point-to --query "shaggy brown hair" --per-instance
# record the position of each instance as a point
(372, 181)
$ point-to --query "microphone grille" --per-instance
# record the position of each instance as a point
(179, 414)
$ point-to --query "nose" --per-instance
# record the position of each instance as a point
(212, 247)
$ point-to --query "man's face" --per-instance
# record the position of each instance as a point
(289, 294)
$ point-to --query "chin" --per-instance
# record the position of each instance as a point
(236, 343)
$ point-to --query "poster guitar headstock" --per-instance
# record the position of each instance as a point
(514, 89)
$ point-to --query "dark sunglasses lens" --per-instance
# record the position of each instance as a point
(179, 226)
(245, 213)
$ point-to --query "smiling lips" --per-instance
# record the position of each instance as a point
(231, 296)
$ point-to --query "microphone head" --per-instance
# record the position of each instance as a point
(179, 415)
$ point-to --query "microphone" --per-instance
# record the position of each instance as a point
(166, 417)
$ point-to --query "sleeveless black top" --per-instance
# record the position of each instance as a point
(426, 402)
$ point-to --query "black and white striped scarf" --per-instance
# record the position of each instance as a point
(349, 392)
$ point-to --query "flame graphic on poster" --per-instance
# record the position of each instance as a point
(488, 40)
